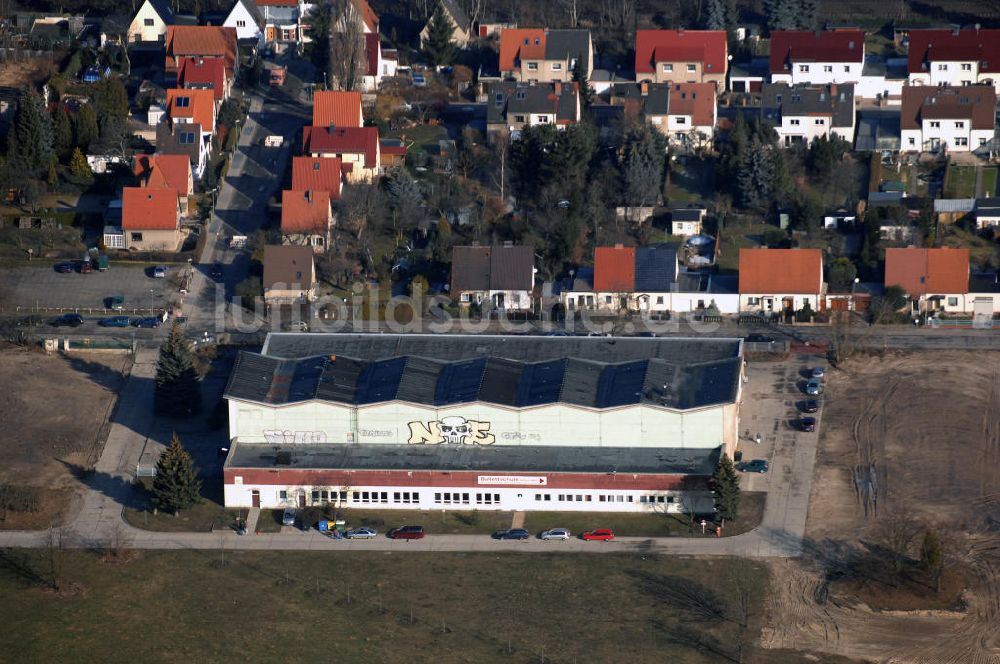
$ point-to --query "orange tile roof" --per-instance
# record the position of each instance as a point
(204, 40)
(694, 99)
(164, 170)
(341, 109)
(655, 46)
(199, 107)
(149, 209)
(348, 140)
(614, 269)
(519, 44)
(200, 72)
(305, 211)
(781, 271)
(367, 14)
(318, 174)
(922, 271)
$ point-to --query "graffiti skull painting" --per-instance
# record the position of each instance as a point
(454, 429)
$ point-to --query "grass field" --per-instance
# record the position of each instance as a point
(960, 182)
(989, 181)
(692, 181)
(263, 606)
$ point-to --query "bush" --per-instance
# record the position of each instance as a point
(805, 314)
(249, 290)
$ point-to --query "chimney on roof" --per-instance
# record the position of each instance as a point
(955, 31)
(332, 127)
(619, 246)
(850, 45)
(557, 86)
(833, 90)
(644, 88)
(508, 243)
(680, 31)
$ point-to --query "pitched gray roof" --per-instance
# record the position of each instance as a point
(458, 14)
(568, 44)
(780, 99)
(509, 97)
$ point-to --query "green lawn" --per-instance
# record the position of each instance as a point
(960, 182)
(423, 136)
(206, 516)
(989, 181)
(435, 522)
(736, 237)
(230, 606)
(692, 181)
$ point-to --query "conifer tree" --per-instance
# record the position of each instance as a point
(30, 137)
(726, 487)
(79, 167)
(581, 79)
(176, 485)
(177, 392)
(438, 45)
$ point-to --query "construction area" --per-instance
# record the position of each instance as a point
(910, 444)
(55, 412)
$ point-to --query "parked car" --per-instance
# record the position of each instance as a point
(363, 532)
(759, 338)
(513, 534)
(600, 534)
(217, 271)
(28, 321)
(86, 267)
(419, 80)
(753, 466)
(64, 268)
(809, 406)
(807, 423)
(116, 302)
(147, 321)
(295, 326)
(67, 320)
(114, 321)
(288, 517)
(407, 532)
(814, 388)
(160, 272)
(818, 373)
(555, 534)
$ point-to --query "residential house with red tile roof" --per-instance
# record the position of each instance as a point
(935, 279)
(204, 41)
(817, 58)
(188, 126)
(683, 112)
(289, 274)
(780, 280)
(498, 277)
(318, 174)
(544, 55)
(306, 219)
(511, 106)
(157, 171)
(646, 280)
(338, 108)
(681, 56)
(954, 57)
(151, 219)
(196, 73)
(357, 147)
(954, 119)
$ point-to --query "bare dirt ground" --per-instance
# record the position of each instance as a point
(909, 436)
(29, 71)
(54, 410)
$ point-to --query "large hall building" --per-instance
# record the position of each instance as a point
(482, 422)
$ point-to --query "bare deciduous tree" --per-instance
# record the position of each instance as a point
(348, 60)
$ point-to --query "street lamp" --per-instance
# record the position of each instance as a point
(151, 291)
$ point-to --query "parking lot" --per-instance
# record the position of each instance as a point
(41, 287)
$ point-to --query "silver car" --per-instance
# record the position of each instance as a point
(814, 388)
(555, 534)
(361, 533)
(288, 518)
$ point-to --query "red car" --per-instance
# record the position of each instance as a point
(602, 534)
(407, 532)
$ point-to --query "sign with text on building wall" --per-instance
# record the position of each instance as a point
(531, 480)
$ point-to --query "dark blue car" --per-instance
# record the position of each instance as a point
(514, 534)
(148, 321)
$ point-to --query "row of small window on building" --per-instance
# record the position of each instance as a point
(320, 496)
(454, 498)
(601, 498)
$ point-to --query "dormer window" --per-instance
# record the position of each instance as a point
(537, 41)
(182, 102)
(499, 99)
(520, 94)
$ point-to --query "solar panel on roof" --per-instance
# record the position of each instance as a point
(459, 382)
(540, 383)
(379, 381)
(621, 384)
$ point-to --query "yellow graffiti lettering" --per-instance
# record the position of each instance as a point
(479, 433)
(421, 434)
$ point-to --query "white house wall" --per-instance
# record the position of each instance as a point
(556, 425)
(249, 28)
(138, 31)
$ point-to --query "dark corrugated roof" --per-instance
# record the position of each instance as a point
(494, 458)
(470, 269)
(655, 268)
(506, 268)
